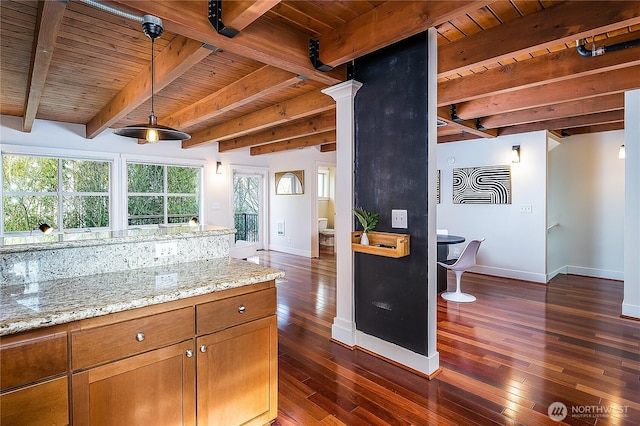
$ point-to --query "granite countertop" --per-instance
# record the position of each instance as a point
(29, 306)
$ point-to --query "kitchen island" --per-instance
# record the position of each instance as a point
(178, 343)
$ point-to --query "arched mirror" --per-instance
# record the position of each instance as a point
(290, 183)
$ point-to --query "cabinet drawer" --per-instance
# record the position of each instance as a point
(42, 404)
(234, 310)
(31, 357)
(120, 340)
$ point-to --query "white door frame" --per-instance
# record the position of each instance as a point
(263, 173)
(315, 237)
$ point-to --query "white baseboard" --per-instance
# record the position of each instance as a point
(630, 310)
(427, 365)
(596, 273)
(290, 250)
(510, 273)
(343, 331)
(558, 271)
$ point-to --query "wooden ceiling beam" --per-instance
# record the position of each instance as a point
(328, 147)
(557, 66)
(547, 28)
(263, 41)
(308, 126)
(562, 110)
(258, 84)
(239, 14)
(468, 126)
(593, 129)
(173, 61)
(547, 94)
(566, 123)
(302, 106)
(303, 142)
(388, 23)
(456, 137)
(47, 27)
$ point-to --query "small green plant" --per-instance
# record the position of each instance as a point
(366, 219)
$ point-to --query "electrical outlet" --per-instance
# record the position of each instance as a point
(525, 208)
(164, 281)
(399, 219)
(166, 249)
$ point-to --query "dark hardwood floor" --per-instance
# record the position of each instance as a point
(505, 358)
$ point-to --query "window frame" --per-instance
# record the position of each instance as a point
(62, 154)
(159, 161)
(324, 183)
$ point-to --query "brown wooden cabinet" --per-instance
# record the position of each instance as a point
(33, 378)
(210, 360)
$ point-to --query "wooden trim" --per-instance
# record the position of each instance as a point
(305, 141)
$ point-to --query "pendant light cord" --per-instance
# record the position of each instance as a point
(153, 113)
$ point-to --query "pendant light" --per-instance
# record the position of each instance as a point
(152, 131)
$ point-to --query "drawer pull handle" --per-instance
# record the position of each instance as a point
(203, 348)
(241, 309)
(140, 337)
(189, 353)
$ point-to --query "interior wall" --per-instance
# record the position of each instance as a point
(296, 211)
(391, 173)
(586, 186)
(514, 243)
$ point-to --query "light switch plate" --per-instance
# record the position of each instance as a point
(399, 219)
(525, 208)
(166, 249)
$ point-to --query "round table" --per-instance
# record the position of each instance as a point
(444, 241)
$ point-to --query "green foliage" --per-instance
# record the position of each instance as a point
(367, 220)
(246, 194)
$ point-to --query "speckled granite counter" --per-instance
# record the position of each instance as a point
(37, 304)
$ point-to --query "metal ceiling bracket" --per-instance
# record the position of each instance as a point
(215, 19)
(454, 115)
(314, 56)
(479, 126)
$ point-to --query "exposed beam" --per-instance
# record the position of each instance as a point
(579, 88)
(239, 14)
(561, 110)
(550, 27)
(318, 139)
(456, 137)
(47, 26)
(260, 83)
(292, 109)
(566, 123)
(597, 128)
(328, 147)
(468, 126)
(264, 41)
(308, 126)
(388, 23)
(175, 59)
(556, 66)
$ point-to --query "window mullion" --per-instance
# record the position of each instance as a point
(60, 200)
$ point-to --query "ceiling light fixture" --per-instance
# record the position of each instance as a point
(152, 131)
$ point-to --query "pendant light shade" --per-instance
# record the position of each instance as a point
(152, 131)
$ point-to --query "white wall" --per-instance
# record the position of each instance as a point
(217, 209)
(586, 197)
(515, 241)
(298, 212)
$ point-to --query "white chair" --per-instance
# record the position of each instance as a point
(466, 261)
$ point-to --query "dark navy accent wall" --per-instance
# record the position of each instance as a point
(391, 173)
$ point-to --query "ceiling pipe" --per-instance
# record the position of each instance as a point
(113, 10)
(583, 51)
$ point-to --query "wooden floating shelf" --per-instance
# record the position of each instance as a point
(382, 244)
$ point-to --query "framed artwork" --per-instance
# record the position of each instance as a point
(482, 185)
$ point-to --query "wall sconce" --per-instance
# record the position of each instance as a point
(193, 221)
(515, 154)
(621, 152)
(45, 228)
(218, 167)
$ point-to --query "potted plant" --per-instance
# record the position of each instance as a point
(368, 221)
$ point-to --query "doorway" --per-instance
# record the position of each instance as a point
(325, 209)
(249, 205)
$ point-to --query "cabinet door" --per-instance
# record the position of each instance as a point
(155, 388)
(237, 375)
(42, 404)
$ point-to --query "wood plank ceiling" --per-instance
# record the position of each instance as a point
(505, 67)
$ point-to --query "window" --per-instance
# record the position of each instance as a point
(323, 183)
(162, 194)
(65, 193)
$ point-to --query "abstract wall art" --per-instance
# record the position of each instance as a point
(482, 185)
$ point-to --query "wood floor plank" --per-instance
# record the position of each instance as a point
(505, 358)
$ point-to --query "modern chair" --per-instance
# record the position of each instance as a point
(466, 261)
